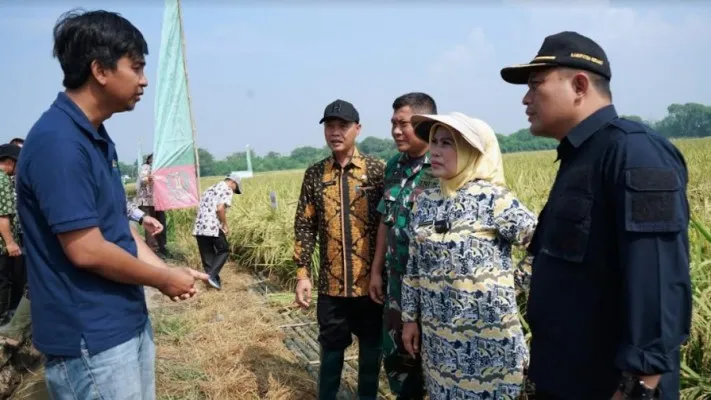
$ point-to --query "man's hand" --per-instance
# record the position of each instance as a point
(411, 338)
(150, 178)
(618, 396)
(225, 229)
(179, 283)
(151, 225)
(375, 290)
(303, 293)
(13, 249)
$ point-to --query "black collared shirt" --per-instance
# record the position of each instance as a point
(610, 289)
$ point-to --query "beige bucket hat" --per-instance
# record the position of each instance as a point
(471, 129)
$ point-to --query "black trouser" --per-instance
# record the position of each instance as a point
(156, 243)
(213, 253)
(12, 282)
(338, 319)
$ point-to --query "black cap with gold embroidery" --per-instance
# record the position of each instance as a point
(564, 49)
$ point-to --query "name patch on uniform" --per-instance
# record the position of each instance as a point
(652, 194)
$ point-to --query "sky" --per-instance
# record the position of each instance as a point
(261, 73)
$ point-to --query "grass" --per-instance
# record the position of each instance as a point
(262, 238)
(224, 345)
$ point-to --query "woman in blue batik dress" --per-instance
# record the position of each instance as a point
(461, 282)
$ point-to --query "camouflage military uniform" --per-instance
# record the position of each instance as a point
(405, 178)
(11, 268)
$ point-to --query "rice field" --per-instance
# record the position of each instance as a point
(261, 236)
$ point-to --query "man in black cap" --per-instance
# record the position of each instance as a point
(338, 208)
(610, 298)
(12, 270)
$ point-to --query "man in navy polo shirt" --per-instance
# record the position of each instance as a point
(86, 266)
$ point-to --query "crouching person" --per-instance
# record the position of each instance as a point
(210, 229)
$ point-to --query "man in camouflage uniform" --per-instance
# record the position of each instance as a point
(406, 175)
(12, 271)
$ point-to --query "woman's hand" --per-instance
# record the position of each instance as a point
(411, 338)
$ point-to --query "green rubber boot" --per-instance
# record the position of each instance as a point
(19, 326)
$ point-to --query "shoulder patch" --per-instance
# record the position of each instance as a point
(654, 200)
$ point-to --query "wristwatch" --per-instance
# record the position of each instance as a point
(633, 388)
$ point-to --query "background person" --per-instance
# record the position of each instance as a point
(144, 200)
(12, 268)
(210, 228)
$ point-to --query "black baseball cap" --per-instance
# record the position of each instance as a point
(9, 151)
(341, 109)
(564, 49)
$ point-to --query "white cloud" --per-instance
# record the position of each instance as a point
(657, 55)
(644, 32)
(474, 50)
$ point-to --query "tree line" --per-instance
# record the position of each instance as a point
(682, 121)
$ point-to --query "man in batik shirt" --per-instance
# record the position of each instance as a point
(406, 175)
(337, 211)
(210, 228)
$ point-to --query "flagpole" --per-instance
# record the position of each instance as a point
(190, 103)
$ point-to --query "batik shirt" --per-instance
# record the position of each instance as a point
(144, 192)
(338, 206)
(461, 286)
(8, 209)
(207, 223)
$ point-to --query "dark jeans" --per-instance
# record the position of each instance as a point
(12, 282)
(213, 253)
(156, 243)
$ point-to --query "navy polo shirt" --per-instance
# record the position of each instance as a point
(610, 290)
(68, 179)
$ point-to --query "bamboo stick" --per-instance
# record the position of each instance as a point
(190, 103)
